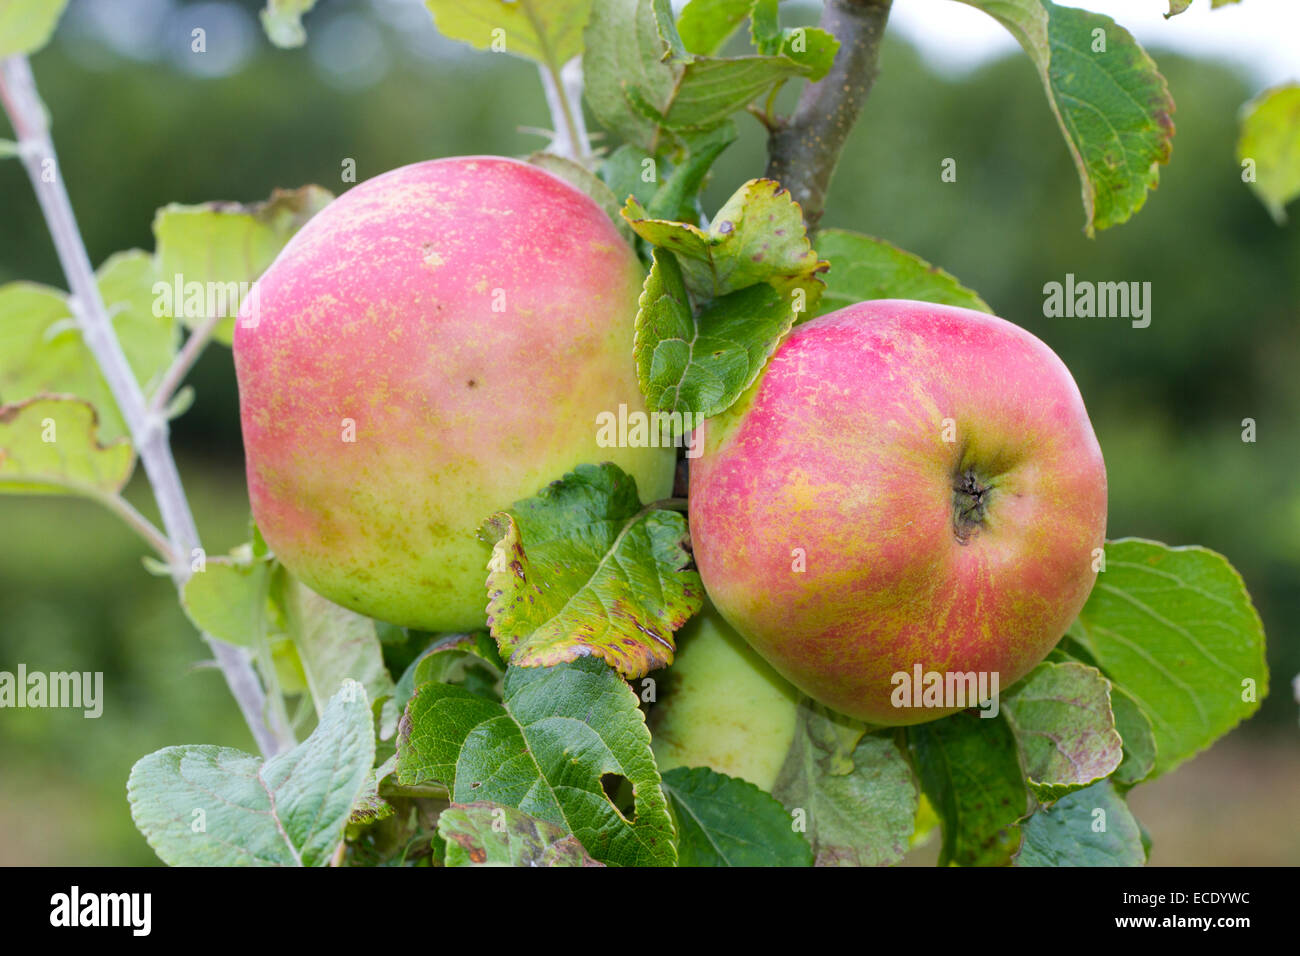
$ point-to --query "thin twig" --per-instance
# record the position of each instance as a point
(115, 503)
(199, 337)
(140, 525)
(563, 89)
(804, 149)
(148, 429)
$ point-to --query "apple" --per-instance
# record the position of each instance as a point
(430, 348)
(905, 484)
(722, 706)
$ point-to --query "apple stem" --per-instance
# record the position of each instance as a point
(148, 428)
(804, 148)
(563, 89)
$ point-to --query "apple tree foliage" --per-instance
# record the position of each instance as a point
(528, 744)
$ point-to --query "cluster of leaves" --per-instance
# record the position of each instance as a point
(61, 431)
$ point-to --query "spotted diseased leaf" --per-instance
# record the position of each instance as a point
(290, 810)
(1175, 629)
(855, 790)
(51, 445)
(757, 236)
(1061, 716)
(370, 807)
(485, 834)
(1270, 140)
(1110, 101)
(545, 31)
(209, 255)
(1090, 827)
(862, 267)
(726, 821)
(970, 771)
(546, 750)
(582, 569)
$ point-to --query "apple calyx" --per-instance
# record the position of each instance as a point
(970, 502)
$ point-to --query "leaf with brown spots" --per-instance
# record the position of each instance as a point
(582, 569)
(757, 236)
(485, 834)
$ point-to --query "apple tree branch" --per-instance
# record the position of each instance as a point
(804, 148)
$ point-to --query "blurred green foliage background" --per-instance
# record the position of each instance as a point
(141, 121)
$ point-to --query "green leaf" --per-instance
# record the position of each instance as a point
(456, 659)
(336, 645)
(210, 254)
(582, 569)
(282, 21)
(51, 445)
(678, 197)
(1112, 105)
(1090, 827)
(811, 47)
(1139, 740)
(757, 236)
(706, 25)
(970, 771)
(484, 834)
(765, 26)
(699, 365)
(27, 25)
(42, 349)
(585, 181)
(631, 171)
(726, 821)
(544, 751)
(1175, 629)
(227, 599)
(547, 31)
(1061, 716)
(215, 806)
(643, 84)
(863, 267)
(1270, 137)
(8, 148)
(856, 791)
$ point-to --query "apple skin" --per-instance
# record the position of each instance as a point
(722, 706)
(380, 310)
(838, 448)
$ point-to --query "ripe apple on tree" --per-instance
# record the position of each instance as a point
(433, 346)
(938, 470)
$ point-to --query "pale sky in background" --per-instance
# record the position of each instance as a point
(1262, 35)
